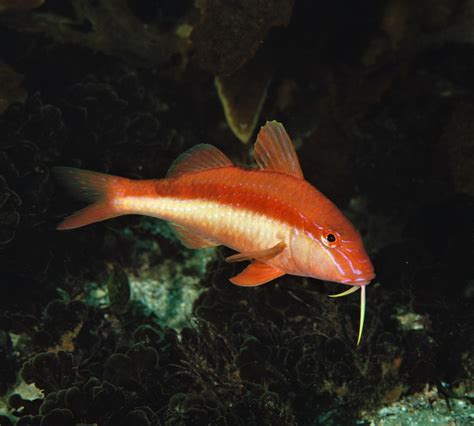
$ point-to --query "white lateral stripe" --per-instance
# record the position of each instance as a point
(230, 225)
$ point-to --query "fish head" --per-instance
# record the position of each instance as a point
(333, 251)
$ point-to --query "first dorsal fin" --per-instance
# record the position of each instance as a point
(275, 151)
(198, 158)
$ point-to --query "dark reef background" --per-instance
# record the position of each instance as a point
(379, 99)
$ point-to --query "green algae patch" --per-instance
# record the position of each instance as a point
(427, 407)
(165, 279)
(165, 291)
(168, 290)
(162, 280)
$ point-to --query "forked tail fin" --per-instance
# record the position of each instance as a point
(97, 188)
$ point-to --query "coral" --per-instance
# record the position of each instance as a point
(458, 137)
(289, 337)
(4, 420)
(60, 325)
(426, 407)
(111, 27)
(403, 21)
(11, 87)
(242, 95)
(229, 33)
(37, 135)
(9, 215)
(118, 289)
(8, 363)
(16, 5)
(75, 392)
(49, 371)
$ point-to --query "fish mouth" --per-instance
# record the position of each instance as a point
(359, 281)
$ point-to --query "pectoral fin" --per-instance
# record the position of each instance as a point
(257, 273)
(261, 254)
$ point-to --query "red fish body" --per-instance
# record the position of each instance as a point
(270, 215)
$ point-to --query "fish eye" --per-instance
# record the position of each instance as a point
(330, 238)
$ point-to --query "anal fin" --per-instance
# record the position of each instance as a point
(257, 273)
(261, 254)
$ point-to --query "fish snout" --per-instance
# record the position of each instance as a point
(360, 274)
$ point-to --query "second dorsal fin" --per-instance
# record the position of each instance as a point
(275, 151)
(198, 158)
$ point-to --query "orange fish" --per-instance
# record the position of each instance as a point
(270, 215)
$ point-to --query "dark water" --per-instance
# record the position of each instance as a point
(118, 324)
